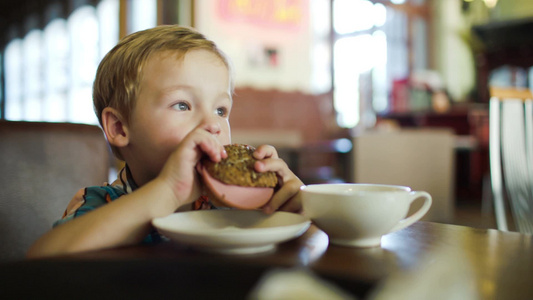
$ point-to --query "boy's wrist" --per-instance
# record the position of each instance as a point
(179, 193)
(165, 196)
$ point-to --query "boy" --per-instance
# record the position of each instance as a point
(163, 98)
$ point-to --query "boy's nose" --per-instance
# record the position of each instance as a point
(212, 127)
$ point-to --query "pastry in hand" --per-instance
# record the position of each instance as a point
(233, 182)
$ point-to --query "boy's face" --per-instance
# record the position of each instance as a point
(176, 96)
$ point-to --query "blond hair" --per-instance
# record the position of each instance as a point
(118, 76)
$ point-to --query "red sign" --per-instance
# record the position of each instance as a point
(286, 14)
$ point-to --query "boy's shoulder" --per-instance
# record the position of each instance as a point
(107, 192)
(90, 198)
(95, 196)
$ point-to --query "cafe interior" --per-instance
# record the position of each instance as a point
(348, 91)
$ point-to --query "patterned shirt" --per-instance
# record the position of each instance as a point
(90, 198)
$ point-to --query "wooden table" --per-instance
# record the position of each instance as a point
(501, 265)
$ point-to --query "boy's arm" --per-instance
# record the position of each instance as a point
(127, 220)
(124, 221)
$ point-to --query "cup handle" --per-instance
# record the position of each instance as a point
(418, 214)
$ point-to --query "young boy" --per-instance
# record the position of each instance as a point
(163, 98)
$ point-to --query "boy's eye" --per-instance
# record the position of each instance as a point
(181, 106)
(222, 111)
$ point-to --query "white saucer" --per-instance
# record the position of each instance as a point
(232, 231)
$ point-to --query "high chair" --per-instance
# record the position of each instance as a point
(511, 157)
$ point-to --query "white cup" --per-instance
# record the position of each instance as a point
(358, 215)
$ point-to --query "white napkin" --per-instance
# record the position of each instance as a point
(296, 284)
(441, 275)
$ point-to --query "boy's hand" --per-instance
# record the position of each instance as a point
(286, 197)
(180, 169)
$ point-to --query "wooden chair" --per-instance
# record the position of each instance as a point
(42, 166)
(423, 159)
(511, 156)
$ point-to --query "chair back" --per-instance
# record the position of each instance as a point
(511, 157)
(423, 159)
(43, 165)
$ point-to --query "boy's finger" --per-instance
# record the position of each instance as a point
(265, 151)
(286, 198)
(207, 144)
(275, 165)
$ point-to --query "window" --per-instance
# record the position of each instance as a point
(56, 49)
(372, 47)
(108, 31)
(13, 80)
(32, 68)
(143, 15)
(49, 73)
(83, 62)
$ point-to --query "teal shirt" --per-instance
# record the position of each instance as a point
(90, 198)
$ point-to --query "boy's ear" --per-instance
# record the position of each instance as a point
(115, 128)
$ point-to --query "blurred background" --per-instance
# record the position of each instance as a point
(311, 76)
